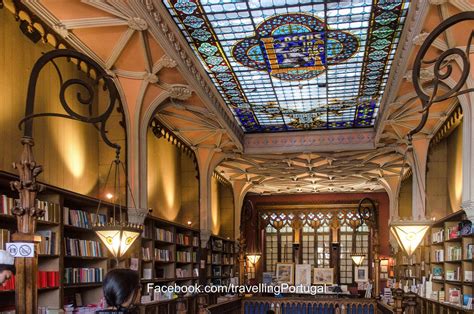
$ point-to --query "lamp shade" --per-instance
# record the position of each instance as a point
(358, 258)
(253, 257)
(409, 234)
(116, 238)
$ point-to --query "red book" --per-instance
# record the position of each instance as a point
(50, 277)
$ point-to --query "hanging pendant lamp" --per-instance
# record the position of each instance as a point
(118, 234)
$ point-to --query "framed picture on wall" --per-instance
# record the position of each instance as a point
(323, 276)
(285, 273)
(303, 274)
(361, 274)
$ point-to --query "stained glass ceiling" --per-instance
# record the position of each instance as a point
(286, 65)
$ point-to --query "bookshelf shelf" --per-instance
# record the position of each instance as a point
(93, 258)
(83, 285)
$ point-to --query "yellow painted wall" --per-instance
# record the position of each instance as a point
(226, 208)
(173, 191)
(215, 207)
(68, 150)
(436, 178)
(405, 198)
(454, 169)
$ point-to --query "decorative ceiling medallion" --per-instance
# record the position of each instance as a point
(294, 47)
(284, 65)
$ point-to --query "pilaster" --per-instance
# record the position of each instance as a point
(419, 156)
(239, 189)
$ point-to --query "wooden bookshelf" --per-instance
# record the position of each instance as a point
(221, 261)
(446, 254)
(57, 260)
(169, 254)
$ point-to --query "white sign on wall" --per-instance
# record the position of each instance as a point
(21, 249)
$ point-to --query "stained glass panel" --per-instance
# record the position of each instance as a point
(284, 65)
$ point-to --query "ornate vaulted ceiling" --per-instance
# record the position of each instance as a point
(140, 44)
(295, 65)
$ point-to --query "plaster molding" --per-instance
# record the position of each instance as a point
(413, 25)
(310, 141)
(165, 31)
(438, 2)
(463, 5)
(93, 22)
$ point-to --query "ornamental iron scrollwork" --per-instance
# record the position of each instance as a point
(96, 74)
(25, 209)
(442, 69)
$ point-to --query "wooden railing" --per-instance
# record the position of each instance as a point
(308, 306)
(228, 307)
(429, 306)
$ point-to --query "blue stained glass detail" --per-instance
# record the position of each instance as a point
(201, 34)
(185, 6)
(207, 49)
(214, 60)
(286, 65)
(194, 22)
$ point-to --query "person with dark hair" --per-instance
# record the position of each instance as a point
(7, 266)
(121, 291)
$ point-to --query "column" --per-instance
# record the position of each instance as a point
(418, 158)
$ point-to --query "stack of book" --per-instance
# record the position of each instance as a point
(454, 274)
(163, 235)
(82, 219)
(162, 255)
(183, 257)
(79, 247)
(454, 253)
(51, 211)
(6, 204)
(437, 237)
(49, 244)
(83, 275)
(146, 254)
(181, 273)
(48, 279)
(183, 239)
(439, 255)
(196, 241)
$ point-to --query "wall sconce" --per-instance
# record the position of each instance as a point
(358, 258)
(253, 258)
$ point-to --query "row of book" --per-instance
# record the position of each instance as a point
(216, 259)
(438, 255)
(453, 253)
(186, 257)
(83, 275)
(184, 239)
(46, 279)
(146, 256)
(79, 247)
(49, 244)
(51, 210)
(437, 236)
(227, 260)
(163, 235)
(453, 274)
(6, 204)
(163, 255)
(82, 219)
(183, 273)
